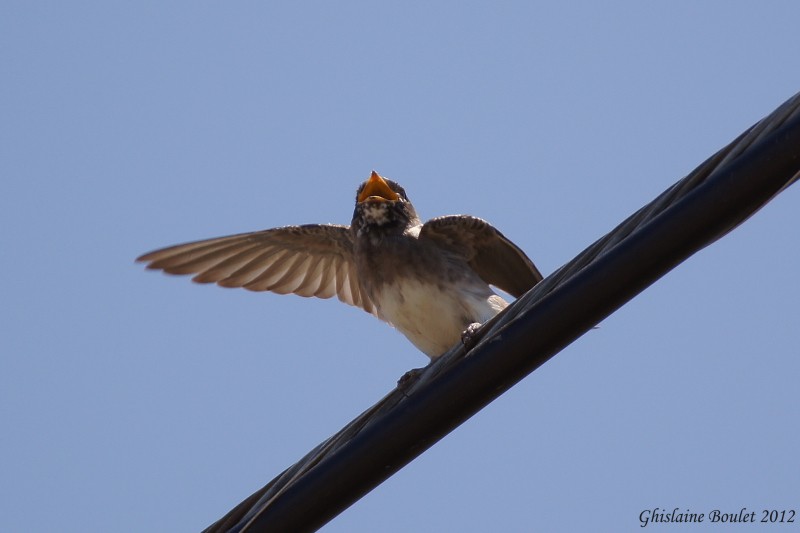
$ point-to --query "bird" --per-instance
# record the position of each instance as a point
(431, 281)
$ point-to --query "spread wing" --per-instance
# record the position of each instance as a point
(497, 260)
(311, 260)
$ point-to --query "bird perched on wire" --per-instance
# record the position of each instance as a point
(430, 281)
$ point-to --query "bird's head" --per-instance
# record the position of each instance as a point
(382, 206)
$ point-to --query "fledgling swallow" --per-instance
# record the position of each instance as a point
(430, 281)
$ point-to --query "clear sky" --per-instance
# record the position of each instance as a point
(132, 401)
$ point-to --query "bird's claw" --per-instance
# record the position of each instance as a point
(409, 378)
(469, 336)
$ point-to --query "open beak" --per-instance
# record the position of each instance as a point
(377, 190)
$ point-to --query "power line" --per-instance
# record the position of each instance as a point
(716, 197)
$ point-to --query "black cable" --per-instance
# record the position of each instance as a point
(719, 195)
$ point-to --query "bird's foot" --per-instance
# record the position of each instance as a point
(469, 337)
(409, 378)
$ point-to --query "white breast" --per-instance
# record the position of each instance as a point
(433, 318)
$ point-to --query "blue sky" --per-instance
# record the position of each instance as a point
(133, 401)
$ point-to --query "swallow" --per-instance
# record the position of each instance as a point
(430, 281)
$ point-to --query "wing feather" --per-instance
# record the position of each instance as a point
(309, 286)
(497, 260)
(327, 282)
(292, 275)
(199, 262)
(311, 260)
(259, 267)
(230, 266)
